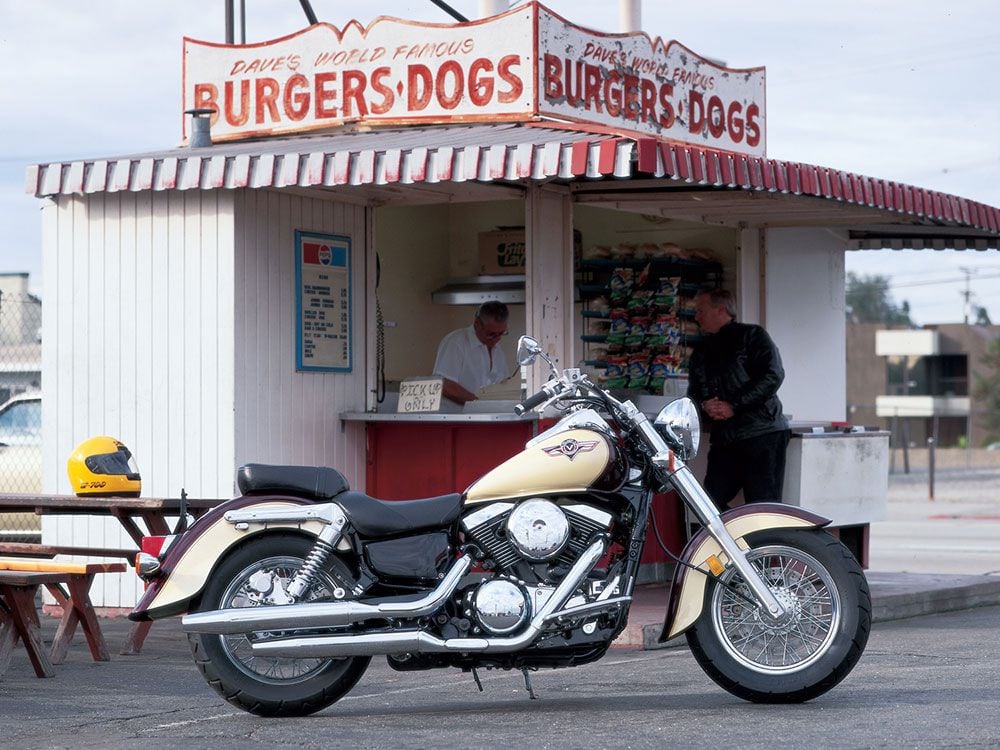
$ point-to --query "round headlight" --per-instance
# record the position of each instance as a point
(679, 423)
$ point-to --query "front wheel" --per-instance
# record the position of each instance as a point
(806, 652)
(256, 574)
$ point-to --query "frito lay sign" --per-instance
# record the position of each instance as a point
(526, 64)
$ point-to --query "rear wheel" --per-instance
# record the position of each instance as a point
(807, 651)
(256, 575)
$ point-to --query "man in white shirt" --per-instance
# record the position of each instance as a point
(469, 359)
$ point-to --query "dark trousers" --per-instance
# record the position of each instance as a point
(755, 465)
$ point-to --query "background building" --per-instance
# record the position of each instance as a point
(919, 382)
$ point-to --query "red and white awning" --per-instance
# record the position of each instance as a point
(708, 167)
(484, 153)
(492, 153)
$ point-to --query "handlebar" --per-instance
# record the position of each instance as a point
(532, 401)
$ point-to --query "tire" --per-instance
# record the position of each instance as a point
(269, 686)
(795, 661)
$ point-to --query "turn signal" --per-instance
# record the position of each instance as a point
(715, 565)
(146, 566)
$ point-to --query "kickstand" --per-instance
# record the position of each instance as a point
(527, 684)
(475, 676)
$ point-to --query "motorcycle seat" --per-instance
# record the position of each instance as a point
(320, 482)
(375, 518)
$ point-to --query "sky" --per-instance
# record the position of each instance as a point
(902, 90)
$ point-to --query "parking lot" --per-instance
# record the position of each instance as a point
(923, 682)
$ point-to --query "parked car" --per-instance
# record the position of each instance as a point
(21, 460)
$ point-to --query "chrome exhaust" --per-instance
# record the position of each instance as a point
(323, 614)
(419, 642)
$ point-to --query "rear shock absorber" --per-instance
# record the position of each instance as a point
(305, 576)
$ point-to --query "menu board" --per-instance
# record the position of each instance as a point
(322, 302)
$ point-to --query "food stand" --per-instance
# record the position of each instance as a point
(383, 154)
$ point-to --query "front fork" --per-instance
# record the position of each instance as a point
(698, 500)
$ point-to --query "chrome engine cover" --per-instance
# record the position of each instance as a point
(499, 606)
(538, 529)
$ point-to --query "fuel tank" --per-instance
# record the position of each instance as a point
(575, 460)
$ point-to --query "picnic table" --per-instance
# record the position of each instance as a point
(20, 579)
(129, 511)
(153, 511)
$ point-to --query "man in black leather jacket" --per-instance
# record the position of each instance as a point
(734, 374)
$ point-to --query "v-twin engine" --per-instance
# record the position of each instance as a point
(535, 530)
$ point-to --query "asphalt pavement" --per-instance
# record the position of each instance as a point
(923, 682)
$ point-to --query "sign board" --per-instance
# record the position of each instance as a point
(322, 302)
(501, 251)
(392, 71)
(645, 85)
(419, 394)
(525, 64)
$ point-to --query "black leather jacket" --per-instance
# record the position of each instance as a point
(739, 364)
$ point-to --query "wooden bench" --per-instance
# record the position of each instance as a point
(20, 579)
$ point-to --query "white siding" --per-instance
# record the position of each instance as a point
(138, 344)
(284, 416)
(804, 313)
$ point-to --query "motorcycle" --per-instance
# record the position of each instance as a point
(289, 590)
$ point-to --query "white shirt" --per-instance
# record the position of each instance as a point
(462, 357)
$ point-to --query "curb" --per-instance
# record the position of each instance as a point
(895, 596)
(952, 593)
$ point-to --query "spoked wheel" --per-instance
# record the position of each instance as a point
(809, 649)
(256, 575)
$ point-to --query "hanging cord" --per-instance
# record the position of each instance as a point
(379, 352)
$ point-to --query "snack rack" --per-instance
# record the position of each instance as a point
(638, 315)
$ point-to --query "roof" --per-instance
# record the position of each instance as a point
(505, 153)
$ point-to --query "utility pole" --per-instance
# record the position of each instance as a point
(967, 294)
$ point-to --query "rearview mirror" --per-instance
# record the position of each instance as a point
(527, 350)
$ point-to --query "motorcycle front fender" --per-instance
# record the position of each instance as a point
(687, 589)
(189, 562)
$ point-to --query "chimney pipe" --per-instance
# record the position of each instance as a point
(629, 15)
(489, 8)
(201, 127)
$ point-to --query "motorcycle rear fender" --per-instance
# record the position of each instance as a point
(687, 590)
(191, 559)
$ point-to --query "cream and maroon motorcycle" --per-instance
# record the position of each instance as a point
(291, 588)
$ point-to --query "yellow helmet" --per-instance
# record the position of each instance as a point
(102, 466)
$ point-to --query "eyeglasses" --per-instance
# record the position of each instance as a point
(488, 334)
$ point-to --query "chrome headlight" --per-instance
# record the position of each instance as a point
(679, 423)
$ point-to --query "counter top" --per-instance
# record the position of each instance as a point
(808, 434)
(363, 416)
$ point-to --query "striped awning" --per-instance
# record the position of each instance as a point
(492, 153)
(484, 153)
(722, 169)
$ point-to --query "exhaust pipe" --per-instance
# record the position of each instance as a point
(419, 642)
(323, 614)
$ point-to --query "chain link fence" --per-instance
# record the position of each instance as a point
(20, 402)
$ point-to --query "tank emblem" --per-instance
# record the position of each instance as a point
(570, 448)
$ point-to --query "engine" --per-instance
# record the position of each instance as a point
(535, 530)
(531, 544)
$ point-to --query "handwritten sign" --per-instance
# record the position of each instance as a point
(419, 394)
(323, 302)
